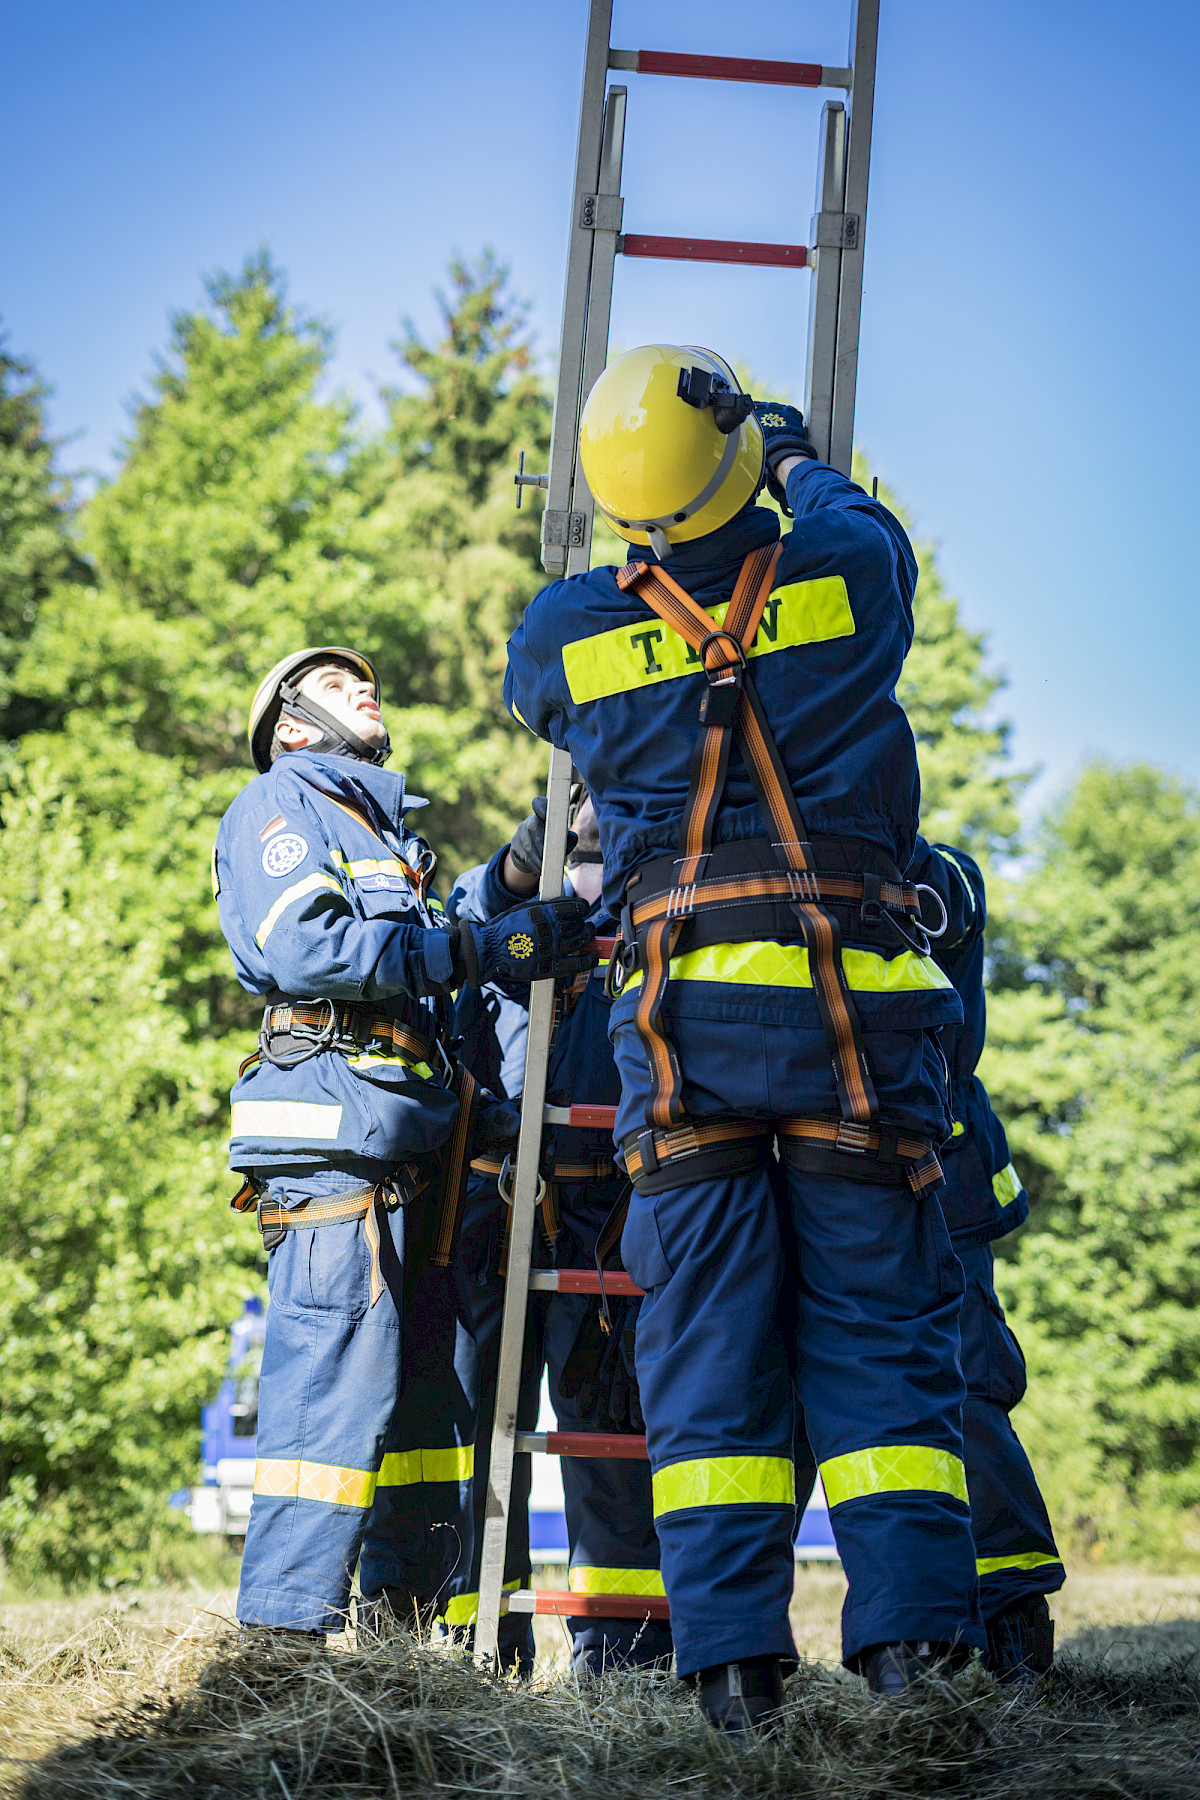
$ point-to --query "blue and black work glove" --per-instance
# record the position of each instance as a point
(497, 1124)
(545, 939)
(786, 434)
(529, 839)
(599, 1374)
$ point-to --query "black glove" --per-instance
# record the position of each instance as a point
(527, 943)
(599, 1373)
(529, 839)
(497, 1124)
(786, 434)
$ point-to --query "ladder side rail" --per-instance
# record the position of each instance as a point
(520, 1247)
(826, 279)
(558, 527)
(864, 34)
(606, 238)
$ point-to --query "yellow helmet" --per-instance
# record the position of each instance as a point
(268, 700)
(670, 445)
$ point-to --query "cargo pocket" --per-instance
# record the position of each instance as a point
(993, 1364)
(641, 1245)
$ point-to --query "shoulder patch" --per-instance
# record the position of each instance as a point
(269, 830)
(283, 854)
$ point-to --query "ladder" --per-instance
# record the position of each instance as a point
(834, 254)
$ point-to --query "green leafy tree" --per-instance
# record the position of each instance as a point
(36, 517)
(1095, 1033)
(121, 1269)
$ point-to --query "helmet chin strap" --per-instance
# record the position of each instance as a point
(335, 736)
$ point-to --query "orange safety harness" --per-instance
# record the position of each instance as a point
(654, 923)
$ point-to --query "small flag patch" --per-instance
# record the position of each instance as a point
(276, 824)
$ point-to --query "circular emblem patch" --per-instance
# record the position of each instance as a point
(284, 853)
(520, 945)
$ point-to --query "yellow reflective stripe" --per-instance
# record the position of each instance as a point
(289, 896)
(725, 1481)
(1030, 1559)
(285, 1119)
(283, 1478)
(462, 1609)
(1006, 1185)
(959, 1128)
(893, 1469)
(371, 1062)
(405, 1468)
(645, 653)
(962, 875)
(520, 716)
(763, 963)
(584, 1579)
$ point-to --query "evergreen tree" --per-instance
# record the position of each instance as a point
(36, 516)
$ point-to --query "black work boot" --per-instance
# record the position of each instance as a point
(1020, 1641)
(383, 1616)
(904, 1670)
(742, 1697)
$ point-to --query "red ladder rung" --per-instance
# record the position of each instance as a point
(602, 946)
(587, 1606)
(723, 68)
(581, 1281)
(716, 250)
(582, 1443)
(595, 1118)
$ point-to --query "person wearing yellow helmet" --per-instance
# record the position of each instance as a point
(729, 697)
(353, 1127)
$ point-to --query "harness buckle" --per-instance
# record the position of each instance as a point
(871, 905)
(724, 672)
(852, 1138)
(645, 1148)
(803, 884)
(681, 901)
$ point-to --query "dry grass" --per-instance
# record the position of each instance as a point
(149, 1696)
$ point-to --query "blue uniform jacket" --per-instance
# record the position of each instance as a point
(596, 671)
(983, 1197)
(310, 874)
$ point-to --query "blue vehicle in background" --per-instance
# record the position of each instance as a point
(228, 1431)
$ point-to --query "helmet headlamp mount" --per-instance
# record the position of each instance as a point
(705, 387)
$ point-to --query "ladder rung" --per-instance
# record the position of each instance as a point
(718, 250)
(597, 1118)
(729, 68)
(582, 1443)
(602, 946)
(587, 1606)
(580, 1281)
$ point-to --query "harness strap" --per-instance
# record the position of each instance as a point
(334, 1209)
(657, 1160)
(349, 1020)
(455, 1163)
(747, 890)
(730, 705)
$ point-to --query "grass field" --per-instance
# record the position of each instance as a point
(146, 1694)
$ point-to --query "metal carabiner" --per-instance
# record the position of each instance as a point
(506, 1180)
(924, 888)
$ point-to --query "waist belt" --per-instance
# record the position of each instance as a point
(699, 1151)
(295, 1030)
(696, 885)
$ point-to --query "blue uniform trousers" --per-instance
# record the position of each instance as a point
(1014, 1545)
(340, 1458)
(610, 1524)
(773, 1282)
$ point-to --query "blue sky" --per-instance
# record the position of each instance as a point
(1028, 381)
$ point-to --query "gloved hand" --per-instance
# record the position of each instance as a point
(599, 1373)
(786, 434)
(527, 943)
(529, 839)
(497, 1124)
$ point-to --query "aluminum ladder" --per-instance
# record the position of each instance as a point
(834, 254)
